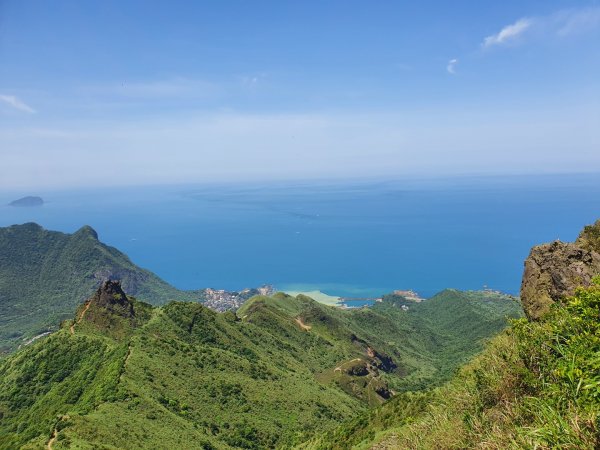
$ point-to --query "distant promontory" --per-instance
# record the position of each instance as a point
(28, 201)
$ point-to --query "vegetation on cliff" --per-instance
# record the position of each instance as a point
(537, 385)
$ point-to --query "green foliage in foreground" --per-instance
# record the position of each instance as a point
(535, 386)
(45, 274)
(182, 376)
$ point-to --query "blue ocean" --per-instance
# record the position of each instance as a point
(345, 238)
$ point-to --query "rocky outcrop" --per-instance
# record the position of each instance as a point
(384, 392)
(111, 312)
(358, 369)
(110, 296)
(553, 271)
(381, 360)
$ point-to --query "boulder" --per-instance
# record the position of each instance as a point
(553, 271)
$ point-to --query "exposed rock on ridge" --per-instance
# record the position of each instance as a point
(111, 312)
(553, 271)
(111, 297)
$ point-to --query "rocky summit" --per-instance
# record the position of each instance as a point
(554, 270)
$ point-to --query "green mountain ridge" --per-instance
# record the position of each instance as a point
(44, 275)
(126, 374)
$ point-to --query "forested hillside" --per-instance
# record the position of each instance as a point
(45, 274)
(124, 374)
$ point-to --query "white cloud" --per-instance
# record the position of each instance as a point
(508, 34)
(577, 21)
(451, 67)
(560, 24)
(16, 103)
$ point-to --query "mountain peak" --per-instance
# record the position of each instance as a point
(110, 295)
(109, 311)
(86, 230)
(27, 226)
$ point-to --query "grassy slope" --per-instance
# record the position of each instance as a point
(187, 377)
(192, 376)
(44, 275)
(535, 386)
(436, 336)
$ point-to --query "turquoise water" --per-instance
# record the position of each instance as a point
(353, 239)
(358, 303)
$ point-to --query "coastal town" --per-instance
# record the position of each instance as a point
(221, 300)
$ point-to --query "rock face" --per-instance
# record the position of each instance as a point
(110, 296)
(553, 271)
(111, 312)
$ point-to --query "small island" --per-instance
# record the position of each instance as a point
(28, 201)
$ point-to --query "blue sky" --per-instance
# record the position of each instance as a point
(171, 92)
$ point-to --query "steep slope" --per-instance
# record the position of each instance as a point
(454, 325)
(537, 385)
(124, 374)
(425, 342)
(44, 275)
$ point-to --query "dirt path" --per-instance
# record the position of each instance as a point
(339, 368)
(129, 352)
(54, 434)
(52, 439)
(125, 362)
(80, 318)
(302, 324)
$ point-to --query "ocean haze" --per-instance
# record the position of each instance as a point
(345, 238)
(187, 147)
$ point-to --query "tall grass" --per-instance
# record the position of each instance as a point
(536, 386)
